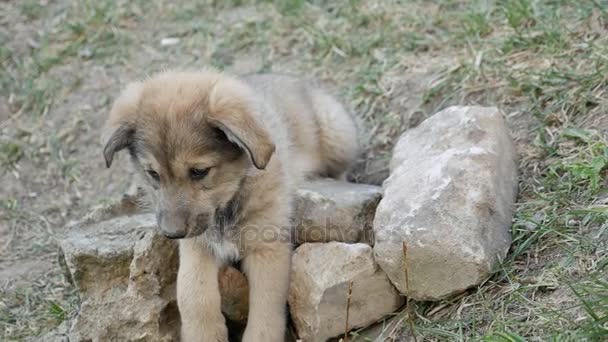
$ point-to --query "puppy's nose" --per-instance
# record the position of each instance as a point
(172, 225)
(174, 235)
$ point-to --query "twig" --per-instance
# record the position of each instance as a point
(348, 297)
(394, 329)
(408, 308)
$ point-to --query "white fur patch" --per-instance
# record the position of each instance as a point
(224, 250)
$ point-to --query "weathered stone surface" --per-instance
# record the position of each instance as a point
(320, 279)
(331, 210)
(449, 198)
(125, 273)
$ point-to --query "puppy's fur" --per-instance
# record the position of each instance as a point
(224, 156)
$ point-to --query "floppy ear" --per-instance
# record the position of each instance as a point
(120, 127)
(120, 139)
(232, 110)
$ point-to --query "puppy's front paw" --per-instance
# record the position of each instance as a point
(205, 332)
(265, 334)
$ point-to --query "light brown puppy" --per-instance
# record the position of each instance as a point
(224, 156)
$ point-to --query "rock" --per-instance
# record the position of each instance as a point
(169, 41)
(320, 279)
(234, 290)
(330, 210)
(449, 199)
(125, 273)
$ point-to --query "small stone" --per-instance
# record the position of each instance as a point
(85, 53)
(33, 43)
(321, 276)
(169, 41)
(331, 210)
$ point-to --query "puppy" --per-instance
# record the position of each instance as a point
(223, 157)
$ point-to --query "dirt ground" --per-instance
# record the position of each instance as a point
(394, 62)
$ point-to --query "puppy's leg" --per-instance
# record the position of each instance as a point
(267, 268)
(198, 294)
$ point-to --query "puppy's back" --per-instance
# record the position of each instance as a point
(321, 132)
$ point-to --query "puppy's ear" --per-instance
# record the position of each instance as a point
(121, 138)
(232, 110)
(120, 127)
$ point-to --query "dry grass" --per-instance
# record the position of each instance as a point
(543, 62)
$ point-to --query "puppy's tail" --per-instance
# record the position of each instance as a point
(338, 135)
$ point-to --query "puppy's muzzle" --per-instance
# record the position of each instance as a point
(172, 226)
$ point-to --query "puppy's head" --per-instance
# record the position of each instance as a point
(193, 137)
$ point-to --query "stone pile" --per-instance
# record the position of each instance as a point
(443, 215)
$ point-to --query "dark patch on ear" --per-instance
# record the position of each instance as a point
(121, 138)
(233, 138)
(219, 135)
(230, 150)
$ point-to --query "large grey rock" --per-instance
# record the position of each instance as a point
(320, 279)
(449, 198)
(331, 210)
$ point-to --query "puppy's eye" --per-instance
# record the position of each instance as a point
(198, 174)
(153, 174)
